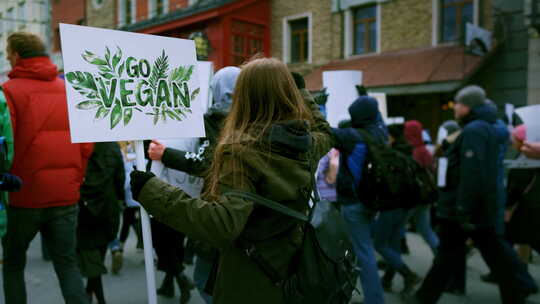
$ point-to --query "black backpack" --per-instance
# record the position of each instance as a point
(425, 189)
(324, 270)
(389, 178)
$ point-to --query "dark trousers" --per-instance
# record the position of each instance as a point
(449, 257)
(169, 246)
(129, 219)
(57, 226)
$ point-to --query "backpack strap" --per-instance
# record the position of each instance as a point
(257, 199)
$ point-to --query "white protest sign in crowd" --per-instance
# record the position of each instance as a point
(123, 86)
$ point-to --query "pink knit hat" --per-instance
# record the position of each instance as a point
(520, 133)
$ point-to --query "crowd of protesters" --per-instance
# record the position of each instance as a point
(265, 135)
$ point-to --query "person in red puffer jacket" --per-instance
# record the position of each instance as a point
(51, 167)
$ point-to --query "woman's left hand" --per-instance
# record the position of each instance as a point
(138, 180)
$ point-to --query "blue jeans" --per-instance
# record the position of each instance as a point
(57, 226)
(359, 220)
(423, 226)
(388, 228)
(202, 271)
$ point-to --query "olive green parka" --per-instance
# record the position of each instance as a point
(280, 167)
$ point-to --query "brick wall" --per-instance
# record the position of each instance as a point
(326, 30)
(177, 4)
(65, 11)
(104, 16)
(142, 10)
(405, 24)
(143, 7)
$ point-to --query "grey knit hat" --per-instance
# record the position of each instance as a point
(471, 96)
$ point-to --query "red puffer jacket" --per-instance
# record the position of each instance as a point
(51, 167)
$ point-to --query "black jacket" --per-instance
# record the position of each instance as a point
(524, 195)
(197, 163)
(471, 189)
(103, 188)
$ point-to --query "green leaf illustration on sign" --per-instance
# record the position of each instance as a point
(116, 114)
(88, 104)
(159, 70)
(101, 113)
(128, 113)
(120, 87)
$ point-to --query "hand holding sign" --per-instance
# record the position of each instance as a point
(531, 149)
(156, 150)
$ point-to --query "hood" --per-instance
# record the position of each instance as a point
(223, 85)
(364, 111)
(413, 133)
(38, 68)
(292, 136)
(485, 112)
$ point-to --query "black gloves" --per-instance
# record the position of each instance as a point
(138, 180)
(9, 182)
(299, 80)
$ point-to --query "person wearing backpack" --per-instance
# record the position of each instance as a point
(390, 224)
(359, 218)
(468, 203)
(270, 145)
(422, 213)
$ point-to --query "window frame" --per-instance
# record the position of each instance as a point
(303, 37)
(10, 19)
(152, 8)
(366, 22)
(247, 40)
(122, 13)
(348, 48)
(287, 35)
(437, 31)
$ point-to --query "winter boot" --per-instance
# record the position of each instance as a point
(185, 285)
(387, 279)
(410, 280)
(117, 261)
(167, 287)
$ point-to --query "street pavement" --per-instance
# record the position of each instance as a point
(129, 286)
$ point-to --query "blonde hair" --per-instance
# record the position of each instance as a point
(265, 94)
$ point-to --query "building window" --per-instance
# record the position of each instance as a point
(21, 14)
(160, 7)
(128, 14)
(299, 40)
(247, 40)
(157, 7)
(1, 26)
(297, 37)
(10, 16)
(127, 10)
(455, 14)
(365, 30)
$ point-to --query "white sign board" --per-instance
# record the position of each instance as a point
(205, 70)
(341, 89)
(129, 86)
